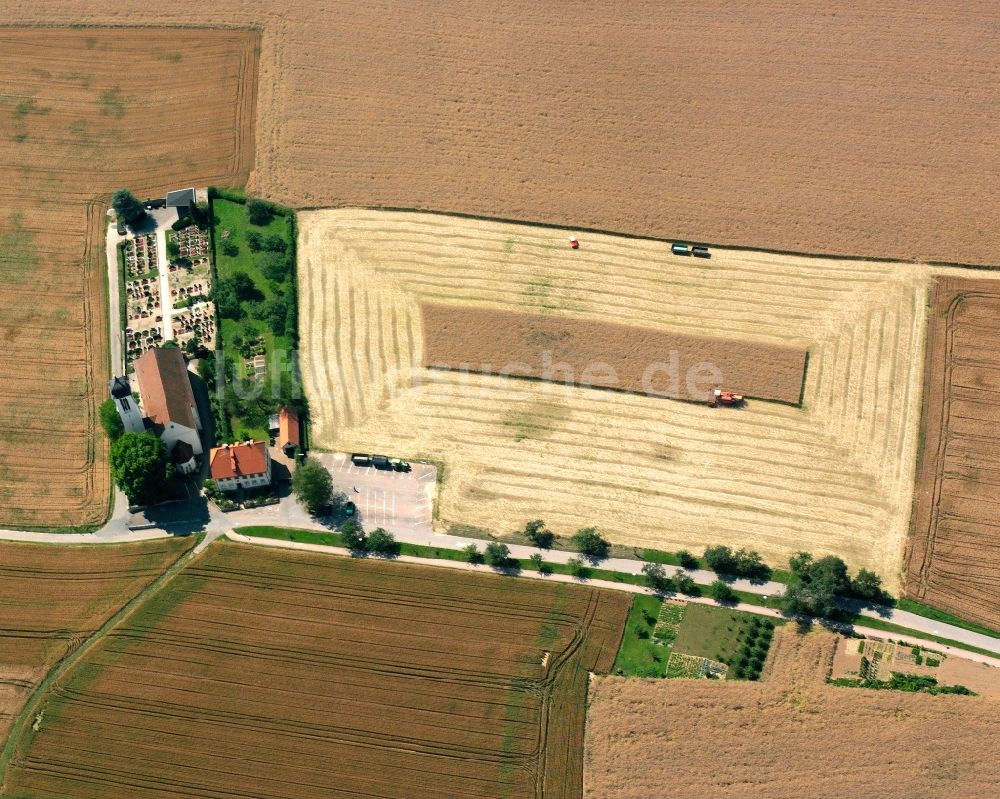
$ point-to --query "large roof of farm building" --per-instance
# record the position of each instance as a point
(182, 198)
(164, 387)
(288, 427)
(238, 460)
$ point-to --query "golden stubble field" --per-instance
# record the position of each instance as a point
(781, 124)
(787, 737)
(82, 113)
(833, 476)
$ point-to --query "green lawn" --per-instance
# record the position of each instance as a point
(639, 655)
(232, 217)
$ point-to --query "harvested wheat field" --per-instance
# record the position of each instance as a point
(789, 736)
(954, 553)
(780, 124)
(832, 476)
(589, 352)
(286, 674)
(84, 112)
(51, 598)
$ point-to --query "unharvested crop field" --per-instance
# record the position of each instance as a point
(53, 597)
(590, 352)
(788, 736)
(954, 553)
(834, 476)
(292, 675)
(780, 124)
(82, 113)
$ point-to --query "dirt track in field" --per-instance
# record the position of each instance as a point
(82, 113)
(789, 736)
(598, 354)
(782, 124)
(51, 598)
(953, 560)
(834, 476)
(287, 675)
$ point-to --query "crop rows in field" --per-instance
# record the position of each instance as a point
(86, 112)
(832, 476)
(296, 675)
(954, 553)
(587, 352)
(52, 598)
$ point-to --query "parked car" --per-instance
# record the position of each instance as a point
(399, 465)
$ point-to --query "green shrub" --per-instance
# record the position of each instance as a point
(230, 248)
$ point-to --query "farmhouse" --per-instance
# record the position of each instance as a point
(244, 465)
(168, 402)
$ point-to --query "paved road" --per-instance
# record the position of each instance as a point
(290, 514)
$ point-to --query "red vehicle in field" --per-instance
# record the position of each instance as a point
(720, 397)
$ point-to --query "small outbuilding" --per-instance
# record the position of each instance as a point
(181, 199)
(289, 430)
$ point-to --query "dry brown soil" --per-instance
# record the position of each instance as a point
(834, 476)
(51, 598)
(789, 736)
(953, 559)
(786, 124)
(289, 675)
(82, 113)
(592, 352)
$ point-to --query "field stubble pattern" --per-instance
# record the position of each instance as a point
(832, 476)
(788, 736)
(293, 675)
(82, 113)
(53, 598)
(953, 558)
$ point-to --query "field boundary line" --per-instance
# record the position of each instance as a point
(22, 719)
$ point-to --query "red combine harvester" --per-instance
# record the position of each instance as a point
(720, 397)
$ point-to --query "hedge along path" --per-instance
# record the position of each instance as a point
(834, 475)
(54, 597)
(289, 674)
(76, 124)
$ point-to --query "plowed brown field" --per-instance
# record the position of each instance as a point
(592, 352)
(954, 552)
(53, 597)
(82, 113)
(867, 129)
(786, 737)
(833, 476)
(298, 676)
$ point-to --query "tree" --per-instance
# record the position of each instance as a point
(275, 243)
(258, 212)
(497, 555)
(274, 265)
(110, 420)
(657, 579)
(720, 559)
(750, 565)
(578, 568)
(814, 585)
(245, 288)
(722, 592)
(275, 312)
(352, 534)
(140, 467)
(312, 485)
(472, 553)
(590, 543)
(254, 241)
(686, 559)
(867, 585)
(173, 249)
(224, 296)
(537, 561)
(685, 584)
(230, 248)
(127, 207)
(538, 534)
(381, 542)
